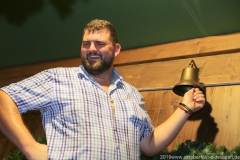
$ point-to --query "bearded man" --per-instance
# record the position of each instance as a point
(89, 112)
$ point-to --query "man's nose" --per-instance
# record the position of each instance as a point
(93, 47)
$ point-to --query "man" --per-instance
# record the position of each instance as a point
(89, 112)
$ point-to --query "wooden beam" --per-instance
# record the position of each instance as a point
(212, 45)
(29, 70)
(215, 70)
(5, 82)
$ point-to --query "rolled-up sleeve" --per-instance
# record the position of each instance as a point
(33, 93)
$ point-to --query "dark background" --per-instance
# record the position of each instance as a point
(47, 30)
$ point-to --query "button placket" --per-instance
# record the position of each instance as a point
(114, 123)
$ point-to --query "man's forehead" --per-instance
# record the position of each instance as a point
(101, 31)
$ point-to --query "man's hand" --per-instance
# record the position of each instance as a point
(194, 99)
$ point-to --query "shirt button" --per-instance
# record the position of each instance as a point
(115, 128)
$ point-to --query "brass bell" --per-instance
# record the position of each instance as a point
(189, 80)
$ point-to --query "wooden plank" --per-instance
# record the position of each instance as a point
(215, 70)
(29, 70)
(218, 122)
(225, 104)
(161, 106)
(5, 82)
(206, 46)
(213, 45)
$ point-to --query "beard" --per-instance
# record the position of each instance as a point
(99, 66)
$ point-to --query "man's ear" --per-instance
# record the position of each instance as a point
(117, 49)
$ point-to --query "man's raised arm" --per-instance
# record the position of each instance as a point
(165, 133)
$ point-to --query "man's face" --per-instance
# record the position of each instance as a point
(97, 51)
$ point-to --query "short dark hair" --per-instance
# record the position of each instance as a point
(97, 24)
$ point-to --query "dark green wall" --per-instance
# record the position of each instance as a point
(45, 30)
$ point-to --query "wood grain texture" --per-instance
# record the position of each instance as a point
(212, 45)
(215, 70)
(31, 69)
(218, 122)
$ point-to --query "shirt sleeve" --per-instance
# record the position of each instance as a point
(33, 93)
(147, 128)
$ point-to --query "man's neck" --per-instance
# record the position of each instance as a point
(104, 79)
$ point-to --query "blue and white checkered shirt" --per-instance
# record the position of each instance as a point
(82, 120)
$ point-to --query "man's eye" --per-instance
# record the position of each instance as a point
(100, 43)
(86, 44)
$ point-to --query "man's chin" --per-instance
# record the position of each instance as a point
(94, 62)
(94, 67)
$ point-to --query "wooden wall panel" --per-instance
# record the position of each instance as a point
(189, 48)
(5, 82)
(217, 69)
(28, 70)
(218, 122)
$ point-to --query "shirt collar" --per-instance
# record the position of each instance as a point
(84, 74)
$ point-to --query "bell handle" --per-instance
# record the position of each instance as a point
(193, 64)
